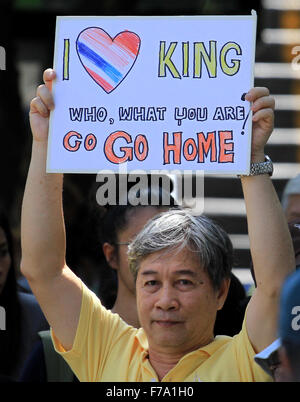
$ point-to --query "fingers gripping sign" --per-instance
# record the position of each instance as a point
(41, 106)
(48, 77)
(263, 120)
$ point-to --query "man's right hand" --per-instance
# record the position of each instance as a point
(41, 106)
(43, 239)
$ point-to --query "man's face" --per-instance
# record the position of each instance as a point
(176, 302)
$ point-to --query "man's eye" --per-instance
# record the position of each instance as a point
(151, 286)
(151, 283)
(185, 283)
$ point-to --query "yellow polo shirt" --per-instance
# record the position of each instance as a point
(107, 349)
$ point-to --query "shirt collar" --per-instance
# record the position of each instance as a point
(209, 349)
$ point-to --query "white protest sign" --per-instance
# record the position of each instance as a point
(152, 92)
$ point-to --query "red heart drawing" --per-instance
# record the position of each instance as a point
(107, 60)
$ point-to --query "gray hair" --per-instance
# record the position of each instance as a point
(178, 230)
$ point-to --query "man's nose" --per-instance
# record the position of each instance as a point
(167, 298)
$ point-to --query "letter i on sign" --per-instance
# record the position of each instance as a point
(66, 59)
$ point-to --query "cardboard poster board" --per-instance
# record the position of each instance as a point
(152, 92)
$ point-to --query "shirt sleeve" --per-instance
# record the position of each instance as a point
(249, 369)
(97, 331)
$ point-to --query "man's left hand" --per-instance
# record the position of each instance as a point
(262, 120)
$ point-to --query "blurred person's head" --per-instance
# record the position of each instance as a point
(124, 224)
(289, 327)
(9, 338)
(281, 359)
(117, 226)
(230, 318)
(5, 253)
(294, 228)
(8, 284)
(290, 199)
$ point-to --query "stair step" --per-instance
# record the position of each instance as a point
(224, 206)
(236, 224)
(281, 136)
(287, 118)
(278, 85)
(275, 53)
(230, 189)
(282, 36)
(241, 258)
(285, 153)
(280, 18)
(240, 241)
(277, 71)
(287, 102)
(281, 4)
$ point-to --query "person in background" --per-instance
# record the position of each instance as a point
(294, 227)
(281, 359)
(116, 226)
(290, 199)
(230, 318)
(270, 359)
(289, 328)
(23, 316)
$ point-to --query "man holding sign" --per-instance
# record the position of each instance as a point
(181, 264)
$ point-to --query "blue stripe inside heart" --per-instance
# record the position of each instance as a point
(84, 50)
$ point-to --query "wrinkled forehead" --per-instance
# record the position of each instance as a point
(171, 260)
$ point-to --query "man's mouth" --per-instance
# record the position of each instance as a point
(167, 323)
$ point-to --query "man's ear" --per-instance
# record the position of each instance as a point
(110, 255)
(223, 292)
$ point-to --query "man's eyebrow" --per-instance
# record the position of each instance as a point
(185, 272)
(179, 272)
(149, 272)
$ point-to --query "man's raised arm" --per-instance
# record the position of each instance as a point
(55, 286)
(270, 242)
